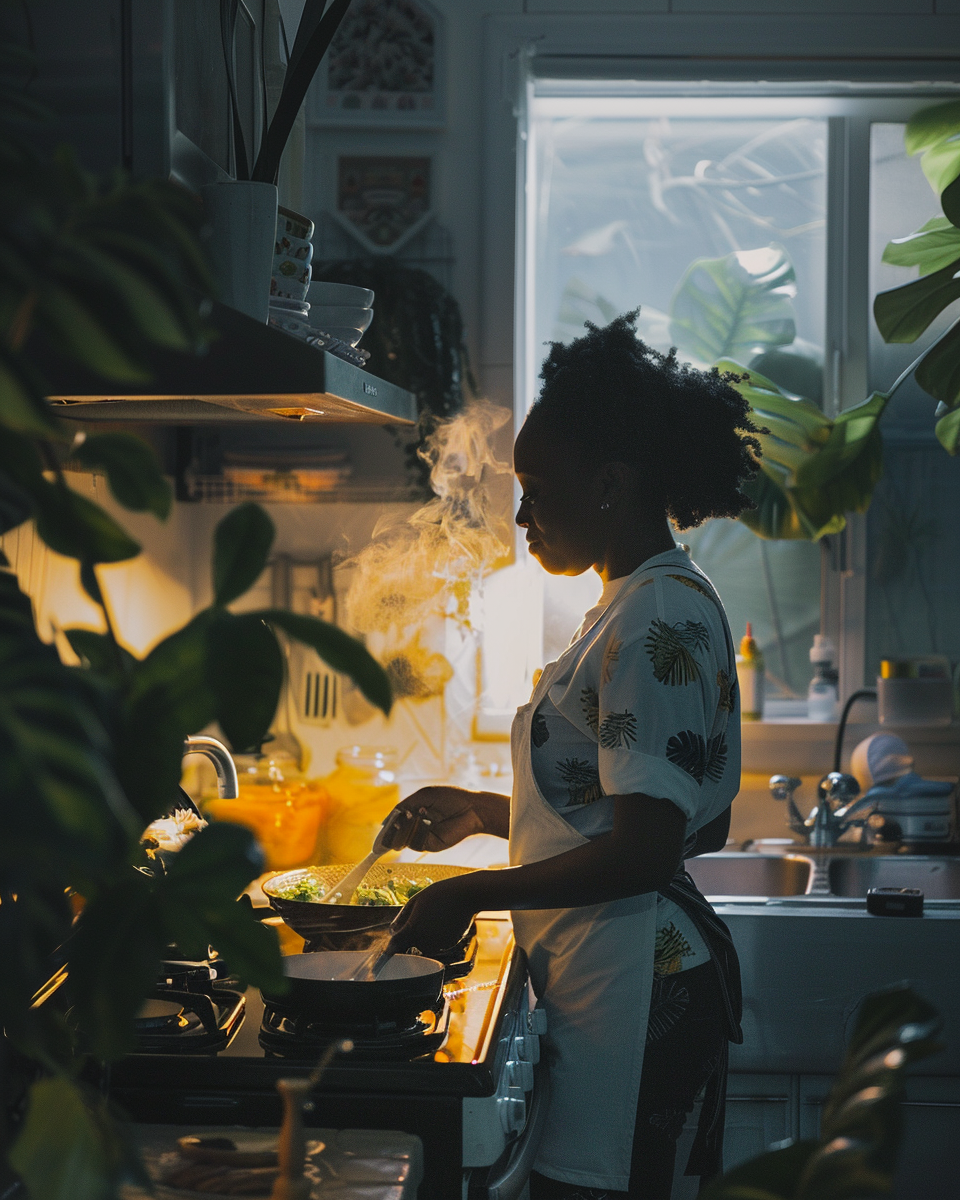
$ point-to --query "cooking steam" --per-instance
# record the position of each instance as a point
(425, 566)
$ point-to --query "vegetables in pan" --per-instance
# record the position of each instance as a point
(395, 893)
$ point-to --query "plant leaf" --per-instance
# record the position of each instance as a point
(74, 526)
(199, 901)
(340, 651)
(170, 697)
(776, 515)
(100, 652)
(132, 471)
(113, 956)
(246, 673)
(70, 1147)
(904, 312)
(934, 246)
(15, 505)
(939, 371)
(947, 430)
(22, 405)
(242, 543)
(85, 336)
(734, 306)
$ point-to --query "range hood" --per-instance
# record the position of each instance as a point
(251, 372)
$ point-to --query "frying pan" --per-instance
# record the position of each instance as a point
(406, 986)
(313, 920)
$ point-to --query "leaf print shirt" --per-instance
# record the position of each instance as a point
(645, 702)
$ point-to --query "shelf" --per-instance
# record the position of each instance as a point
(806, 747)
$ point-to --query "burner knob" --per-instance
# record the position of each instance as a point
(513, 1111)
(520, 1074)
(527, 1047)
(537, 1020)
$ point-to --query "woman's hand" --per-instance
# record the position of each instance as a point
(432, 921)
(435, 818)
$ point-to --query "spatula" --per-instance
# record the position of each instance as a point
(342, 892)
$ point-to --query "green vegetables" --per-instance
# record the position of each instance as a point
(395, 892)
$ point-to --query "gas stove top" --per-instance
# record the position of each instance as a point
(460, 1078)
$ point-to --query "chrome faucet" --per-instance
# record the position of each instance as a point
(228, 786)
(836, 810)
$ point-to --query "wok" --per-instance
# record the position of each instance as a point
(342, 923)
(406, 986)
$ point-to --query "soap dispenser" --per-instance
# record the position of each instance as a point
(822, 695)
(750, 677)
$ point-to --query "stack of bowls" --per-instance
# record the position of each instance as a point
(341, 310)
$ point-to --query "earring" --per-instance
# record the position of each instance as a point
(605, 505)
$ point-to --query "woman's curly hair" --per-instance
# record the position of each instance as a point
(688, 433)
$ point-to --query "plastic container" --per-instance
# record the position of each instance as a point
(823, 701)
(362, 790)
(915, 691)
(284, 811)
(750, 677)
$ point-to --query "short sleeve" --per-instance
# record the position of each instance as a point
(658, 696)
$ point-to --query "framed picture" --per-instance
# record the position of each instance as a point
(384, 68)
(383, 200)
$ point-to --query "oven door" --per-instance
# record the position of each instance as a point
(507, 1180)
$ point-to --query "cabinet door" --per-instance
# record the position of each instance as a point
(759, 1111)
(929, 1167)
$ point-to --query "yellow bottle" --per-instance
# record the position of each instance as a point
(750, 677)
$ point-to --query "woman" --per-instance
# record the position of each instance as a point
(626, 761)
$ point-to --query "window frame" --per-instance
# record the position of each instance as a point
(851, 107)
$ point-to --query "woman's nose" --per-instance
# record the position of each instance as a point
(521, 518)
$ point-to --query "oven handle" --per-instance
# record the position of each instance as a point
(509, 1184)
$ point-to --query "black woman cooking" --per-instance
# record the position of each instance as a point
(626, 761)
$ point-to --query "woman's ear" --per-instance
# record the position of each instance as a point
(617, 481)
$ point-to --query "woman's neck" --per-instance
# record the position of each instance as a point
(631, 546)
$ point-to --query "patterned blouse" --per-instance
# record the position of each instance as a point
(650, 705)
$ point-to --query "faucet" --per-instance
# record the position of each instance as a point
(836, 810)
(228, 786)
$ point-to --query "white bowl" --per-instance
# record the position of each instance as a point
(291, 308)
(340, 294)
(326, 315)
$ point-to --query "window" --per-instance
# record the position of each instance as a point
(628, 185)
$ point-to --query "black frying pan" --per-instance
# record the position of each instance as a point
(407, 985)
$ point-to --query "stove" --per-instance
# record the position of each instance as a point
(464, 1078)
(189, 1011)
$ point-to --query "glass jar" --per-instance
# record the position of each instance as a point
(283, 810)
(362, 790)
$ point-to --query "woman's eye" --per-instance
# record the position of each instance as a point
(528, 498)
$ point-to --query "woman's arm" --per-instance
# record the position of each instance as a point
(713, 836)
(640, 854)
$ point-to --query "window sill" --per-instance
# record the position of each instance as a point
(791, 746)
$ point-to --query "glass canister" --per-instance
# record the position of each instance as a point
(362, 789)
(279, 806)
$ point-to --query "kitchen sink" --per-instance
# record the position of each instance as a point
(746, 873)
(937, 878)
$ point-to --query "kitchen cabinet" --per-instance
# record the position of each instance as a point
(761, 1110)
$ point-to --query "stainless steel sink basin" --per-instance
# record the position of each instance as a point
(937, 878)
(734, 873)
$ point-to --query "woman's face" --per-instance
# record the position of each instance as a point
(560, 505)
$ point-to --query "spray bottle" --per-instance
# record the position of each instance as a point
(750, 676)
(822, 698)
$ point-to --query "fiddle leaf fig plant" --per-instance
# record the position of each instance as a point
(904, 313)
(90, 751)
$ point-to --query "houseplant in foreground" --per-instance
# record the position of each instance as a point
(90, 753)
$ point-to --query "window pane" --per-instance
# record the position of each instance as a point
(913, 554)
(621, 208)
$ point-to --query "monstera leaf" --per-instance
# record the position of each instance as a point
(813, 469)
(735, 306)
(903, 313)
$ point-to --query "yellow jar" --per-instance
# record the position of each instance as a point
(284, 811)
(362, 790)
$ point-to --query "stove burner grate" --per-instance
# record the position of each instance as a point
(287, 1033)
(186, 1013)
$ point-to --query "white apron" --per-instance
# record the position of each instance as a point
(592, 971)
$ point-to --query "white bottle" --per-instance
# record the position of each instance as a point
(822, 695)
